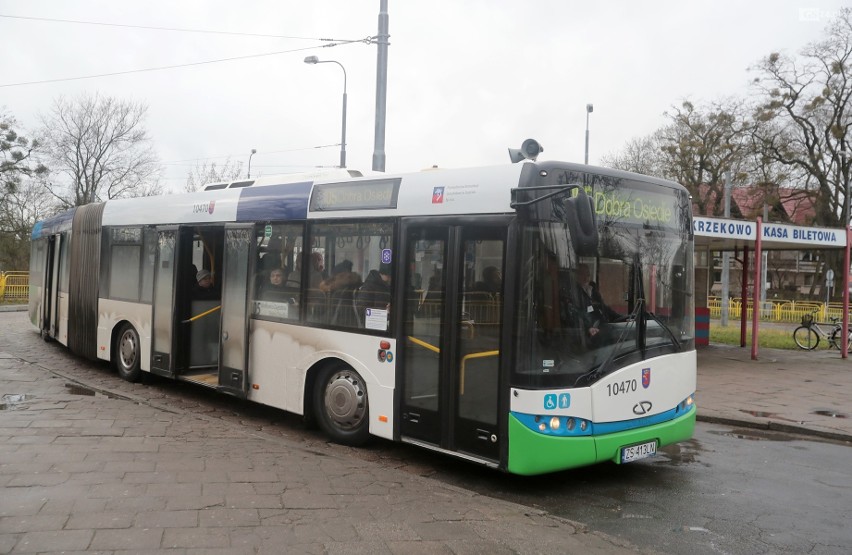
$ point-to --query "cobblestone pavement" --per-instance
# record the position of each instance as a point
(89, 463)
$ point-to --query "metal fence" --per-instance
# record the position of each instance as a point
(15, 286)
(776, 310)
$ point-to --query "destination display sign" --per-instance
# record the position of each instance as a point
(633, 206)
(361, 195)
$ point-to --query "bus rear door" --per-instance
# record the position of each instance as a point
(162, 347)
(50, 290)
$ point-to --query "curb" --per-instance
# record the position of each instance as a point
(775, 427)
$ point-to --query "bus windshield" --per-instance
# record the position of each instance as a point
(583, 313)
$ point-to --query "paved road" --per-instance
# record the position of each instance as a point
(150, 469)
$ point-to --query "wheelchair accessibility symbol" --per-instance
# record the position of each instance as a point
(551, 402)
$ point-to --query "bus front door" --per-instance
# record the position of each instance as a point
(450, 378)
(233, 354)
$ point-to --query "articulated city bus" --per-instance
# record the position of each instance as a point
(530, 318)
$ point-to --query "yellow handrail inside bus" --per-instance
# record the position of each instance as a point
(205, 313)
(464, 360)
(432, 348)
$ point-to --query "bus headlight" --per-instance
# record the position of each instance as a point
(555, 425)
(686, 403)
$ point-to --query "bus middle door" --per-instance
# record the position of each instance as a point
(233, 347)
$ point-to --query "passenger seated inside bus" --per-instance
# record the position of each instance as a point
(374, 294)
(274, 288)
(492, 281)
(340, 288)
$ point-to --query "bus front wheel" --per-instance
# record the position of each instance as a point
(127, 354)
(340, 404)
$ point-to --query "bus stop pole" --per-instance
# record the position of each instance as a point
(755, 293)
(744, 298)
(844, 341)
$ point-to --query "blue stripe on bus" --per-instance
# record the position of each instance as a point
(288, 201)
(612, 427)
(60, 222)
(598, 428)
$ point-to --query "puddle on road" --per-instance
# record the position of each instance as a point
(76, 389)
(831, 413)
(680, 453)
(760, 414)
(9, 400)
(753, 435)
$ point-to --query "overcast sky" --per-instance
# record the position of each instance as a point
(466, 79)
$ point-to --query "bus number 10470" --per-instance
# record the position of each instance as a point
(619, 388)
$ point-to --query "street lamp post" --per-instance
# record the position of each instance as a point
(314, 60)
(248, 174)
(589, 109)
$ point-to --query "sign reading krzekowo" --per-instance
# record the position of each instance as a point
(770, 232)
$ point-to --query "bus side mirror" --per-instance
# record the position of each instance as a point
(582, 223)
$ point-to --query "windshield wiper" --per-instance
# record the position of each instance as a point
(592, 375)
(674, 339)
(560, 189)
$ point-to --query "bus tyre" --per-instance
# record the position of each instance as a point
(340, 405)
(126, 355)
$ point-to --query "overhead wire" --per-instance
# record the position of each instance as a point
(332, 43)
(191, 64)
(171, 29)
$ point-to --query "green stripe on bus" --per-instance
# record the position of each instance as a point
(532, 453)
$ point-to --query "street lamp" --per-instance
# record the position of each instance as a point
(589, 109)
(315, 60)
(253, 152)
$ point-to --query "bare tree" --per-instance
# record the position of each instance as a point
(639, 155)
(21, 201)
(99, 149)
(21, 208)
(204, 173)
(804, 116)
(700, 145)
(695, 148)
(16, 152)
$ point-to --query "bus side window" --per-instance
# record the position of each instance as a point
(354, 294)
(277, 276)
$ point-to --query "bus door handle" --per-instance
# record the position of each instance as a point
(224, 336)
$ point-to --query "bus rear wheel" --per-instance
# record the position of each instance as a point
(340, 405)
(126, 355)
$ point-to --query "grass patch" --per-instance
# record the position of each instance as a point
(769, 337)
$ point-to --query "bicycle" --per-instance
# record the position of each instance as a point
(807, 335)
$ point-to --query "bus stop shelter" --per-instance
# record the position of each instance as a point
(725, 234)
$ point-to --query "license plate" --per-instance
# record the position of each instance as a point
(637, 452)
